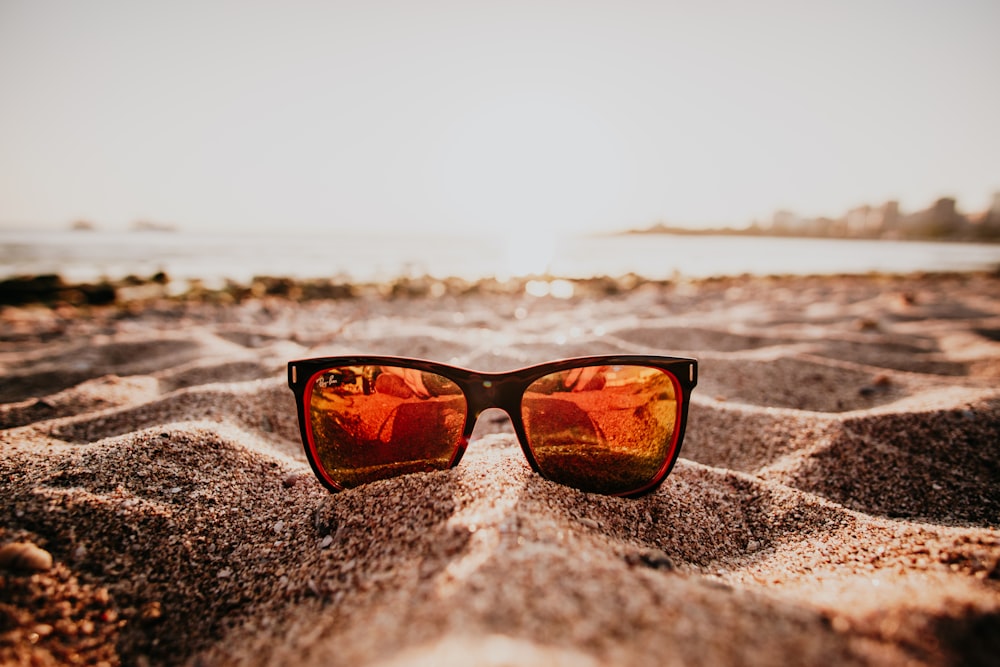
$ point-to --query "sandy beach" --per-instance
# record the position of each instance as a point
(837, 500)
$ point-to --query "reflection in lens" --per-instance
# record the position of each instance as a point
(373, 422)
(606, 429)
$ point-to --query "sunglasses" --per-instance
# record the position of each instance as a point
(603, 424)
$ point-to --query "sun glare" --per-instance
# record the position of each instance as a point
(527, 252)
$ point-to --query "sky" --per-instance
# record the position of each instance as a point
(401, 116)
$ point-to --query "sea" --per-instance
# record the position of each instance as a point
(214, 258)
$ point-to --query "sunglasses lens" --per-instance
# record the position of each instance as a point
(605, 429)
(373, 422)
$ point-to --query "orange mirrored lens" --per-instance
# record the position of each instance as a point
(607, 429)
(373, 422)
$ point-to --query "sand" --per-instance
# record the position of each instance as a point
(837, 501)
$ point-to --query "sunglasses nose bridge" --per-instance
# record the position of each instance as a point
(491, 391)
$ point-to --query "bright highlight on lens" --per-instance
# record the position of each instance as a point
(373, 422)
(608, 429)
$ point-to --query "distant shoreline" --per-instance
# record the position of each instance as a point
(662, 230)
(942, 221)
(219, 261)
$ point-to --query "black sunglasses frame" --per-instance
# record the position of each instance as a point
(503, 390)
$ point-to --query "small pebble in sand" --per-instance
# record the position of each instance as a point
(151, 612)
(24, 557)
(880, 383)
(652, 558)
(882, 380)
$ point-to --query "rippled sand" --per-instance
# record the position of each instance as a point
(837, 501)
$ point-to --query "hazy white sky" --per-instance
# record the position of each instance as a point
(436, 115)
